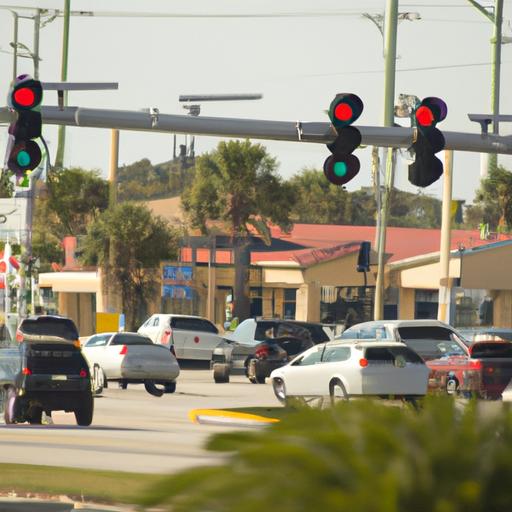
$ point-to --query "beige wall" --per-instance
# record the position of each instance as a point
(338, 272)
(406, 303)
(489, 269)
(78, 307)
(308, 302)
(502, 313)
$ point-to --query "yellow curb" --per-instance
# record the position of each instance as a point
(194, 414)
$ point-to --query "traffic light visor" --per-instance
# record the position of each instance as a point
(437, 108)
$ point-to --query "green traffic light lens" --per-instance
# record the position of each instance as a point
(23, 159)
(340, 169)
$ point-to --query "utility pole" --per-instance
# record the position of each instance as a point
(390, 32)
(59, 158)
(443, 312)
(496, 18)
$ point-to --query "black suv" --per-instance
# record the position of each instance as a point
(259, 346)
(44, 370)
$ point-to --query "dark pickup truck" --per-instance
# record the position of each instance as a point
(44, 370)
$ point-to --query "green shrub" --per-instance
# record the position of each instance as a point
(361, 456)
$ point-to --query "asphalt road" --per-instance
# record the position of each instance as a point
(133, 430)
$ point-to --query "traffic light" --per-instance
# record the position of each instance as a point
(427, 168)
(342, 166)
(24, 154)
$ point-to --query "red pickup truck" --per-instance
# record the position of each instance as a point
(483, 368)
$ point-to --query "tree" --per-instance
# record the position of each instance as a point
(238, 184)
(128, 243)
(71, 199)
(360, 456)
(75, 197)
(318, 200)
(493, 201)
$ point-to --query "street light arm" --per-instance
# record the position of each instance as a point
(482, 9)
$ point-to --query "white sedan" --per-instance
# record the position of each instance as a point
(132, 358)
(352, 368)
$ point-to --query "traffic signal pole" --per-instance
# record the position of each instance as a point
(293, 131)
(390, 32)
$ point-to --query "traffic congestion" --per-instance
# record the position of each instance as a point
(47, 367)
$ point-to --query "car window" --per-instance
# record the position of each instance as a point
(310, 357)
(265, 330)
(397, 356)
(156, 321)
(130, 339)
(98, 340)
(490, 350)
(244, 332)
(432, 342)
(49, 326)
(333, 354)
(193, 324)
(378, 332)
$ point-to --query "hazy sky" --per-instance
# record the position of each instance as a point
(298, 54)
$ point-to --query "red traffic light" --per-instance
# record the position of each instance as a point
(26, 93)
(343, 112)
(424, 116)
(345, 108)
(24, 97)
(431, 111)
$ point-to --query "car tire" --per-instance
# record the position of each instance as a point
(452, 386)
(122, 384)
(337, 392)
(152, 389)
(84, 413)
(221, 373)
(256, 376)
(98, 380)
(36, 416)
(280, 390)
(11, 407)
(170, 387)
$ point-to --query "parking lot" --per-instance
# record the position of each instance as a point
(134, 431)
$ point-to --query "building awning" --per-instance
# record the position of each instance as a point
(72, 282)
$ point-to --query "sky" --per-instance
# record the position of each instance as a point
(298, 54)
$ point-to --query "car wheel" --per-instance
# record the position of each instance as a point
(84, 413)
(98, 380)
(152, 389)
(170, 387)
(123, 384)
(221, 373)
(279, 389)
(11, 408)
(36, 416)
(256, 376)
(452, 386)
(337, 392)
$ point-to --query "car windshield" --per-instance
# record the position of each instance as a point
(432, 342)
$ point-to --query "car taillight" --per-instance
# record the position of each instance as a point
(83, 373)
(124, 350)
(262, 351)
(363, 362)
(26, 371)
(19, 336)
(166, 336)
(475, 365)
(173, 352)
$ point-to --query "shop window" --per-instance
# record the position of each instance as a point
(289, 303)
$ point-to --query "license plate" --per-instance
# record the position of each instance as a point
(59, 377)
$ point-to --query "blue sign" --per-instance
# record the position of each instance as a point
(176, 273)
(177, 292)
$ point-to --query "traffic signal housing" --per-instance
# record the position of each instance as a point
(426, 167)
(23, 153)
(342, 166)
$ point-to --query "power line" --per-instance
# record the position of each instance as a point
(426, 68)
